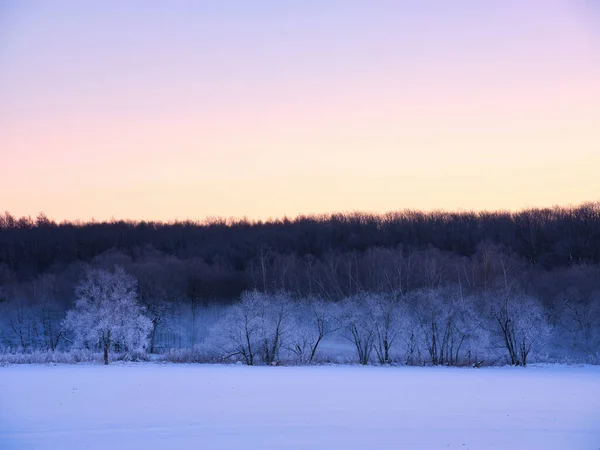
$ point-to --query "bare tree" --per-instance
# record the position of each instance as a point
(159, 286)
(519, 320)
(581, 318)
(23, 323)
(448, 323)
(357, 326)
(520, 323)
(49, 315)
(311, 322)
(257, 327)
(385, 313)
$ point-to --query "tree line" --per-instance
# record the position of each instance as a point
(548, 237)
(439, 325)
(464, 284)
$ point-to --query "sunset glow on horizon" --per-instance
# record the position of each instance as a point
(174, 110)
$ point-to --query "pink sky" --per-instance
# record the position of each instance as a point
(165, 110)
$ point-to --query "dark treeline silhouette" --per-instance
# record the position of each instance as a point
(548, 238)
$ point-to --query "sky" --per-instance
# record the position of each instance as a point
(191, 109)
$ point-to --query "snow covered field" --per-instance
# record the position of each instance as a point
(147, 406)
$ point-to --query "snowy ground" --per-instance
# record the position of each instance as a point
(206, 407)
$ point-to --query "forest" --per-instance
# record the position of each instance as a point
(452, 288)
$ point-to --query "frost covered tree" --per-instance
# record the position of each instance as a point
(237, 333)
(107, 314)
(449, 325)
(311, 321)
(257, 328)
(387, 318)
(518, 321)
(520, 324)
(357, 326)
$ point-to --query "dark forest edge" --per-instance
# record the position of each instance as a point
(452, 288)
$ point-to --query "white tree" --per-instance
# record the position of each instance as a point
(357, 325)
(520, 324)
(258, 326)
(386, 315)
(311, 321)
(107, 314)
(448, 324)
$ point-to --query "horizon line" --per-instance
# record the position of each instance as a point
(42, 217)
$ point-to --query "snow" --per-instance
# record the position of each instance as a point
(152, 406)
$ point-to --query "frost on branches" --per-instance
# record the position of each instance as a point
(107, 314)
(257, 328)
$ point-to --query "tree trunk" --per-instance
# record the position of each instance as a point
(314, 349)
(153, 334)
